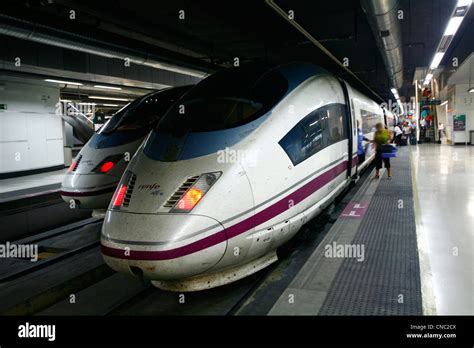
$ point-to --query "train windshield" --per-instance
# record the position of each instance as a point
(144, 112)
(225, 100)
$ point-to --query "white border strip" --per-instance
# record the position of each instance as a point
(426, 277)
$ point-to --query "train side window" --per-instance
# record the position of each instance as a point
(305, 139)
(369, 120)
(319, 129)
(334, 127)
(333, 117)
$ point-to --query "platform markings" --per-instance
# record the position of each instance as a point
(355, 210)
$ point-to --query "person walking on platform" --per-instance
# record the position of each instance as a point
(440, 132)
(398, 134)
(381, 138)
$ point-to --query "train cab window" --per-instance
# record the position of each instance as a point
(225, 100)
(144, 112)
(321, 128)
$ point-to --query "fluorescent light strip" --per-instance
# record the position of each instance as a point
(65, 82)
(108, 98)
(464, 3)
(444, 103)
(453, 26)
(113, 105)
(108, 87)
(436, 60)
(428, 79)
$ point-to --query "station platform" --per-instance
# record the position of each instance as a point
(368, 262)
(32, 204)
(31, 185)
(444, 178)
(390, 251)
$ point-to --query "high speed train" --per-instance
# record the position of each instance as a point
(232, 171)
(94, 174)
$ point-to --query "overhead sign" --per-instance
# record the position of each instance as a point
(430, 102)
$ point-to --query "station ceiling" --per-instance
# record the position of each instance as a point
(213, 33)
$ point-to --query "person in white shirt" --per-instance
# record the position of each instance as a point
(407, 129)
(440, 130)
(422, 128)
(398, 134)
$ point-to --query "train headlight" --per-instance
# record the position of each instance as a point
(194, 194)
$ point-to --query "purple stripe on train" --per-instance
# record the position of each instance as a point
(243, 226)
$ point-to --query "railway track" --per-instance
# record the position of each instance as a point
(76, 281)
(68, 260)
(22, 212)
(49, 252)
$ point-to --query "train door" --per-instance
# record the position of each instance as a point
(351, 131)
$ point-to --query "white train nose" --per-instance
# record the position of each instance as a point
(163, 246)
(91, 191)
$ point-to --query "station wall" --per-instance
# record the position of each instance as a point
(464, 105)
(31, 135)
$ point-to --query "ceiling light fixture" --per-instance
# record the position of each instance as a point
(65, 82)
(453, 26)
(455, 21)
(108, 87)
(464, 3)
(438, 57)
(108, 98)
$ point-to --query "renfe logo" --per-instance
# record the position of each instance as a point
(37, 331)
(149, 186)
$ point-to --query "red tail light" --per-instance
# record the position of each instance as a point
(190, 199)
(107, 164)
(106, 167)
(119, 196)
(71, 167)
